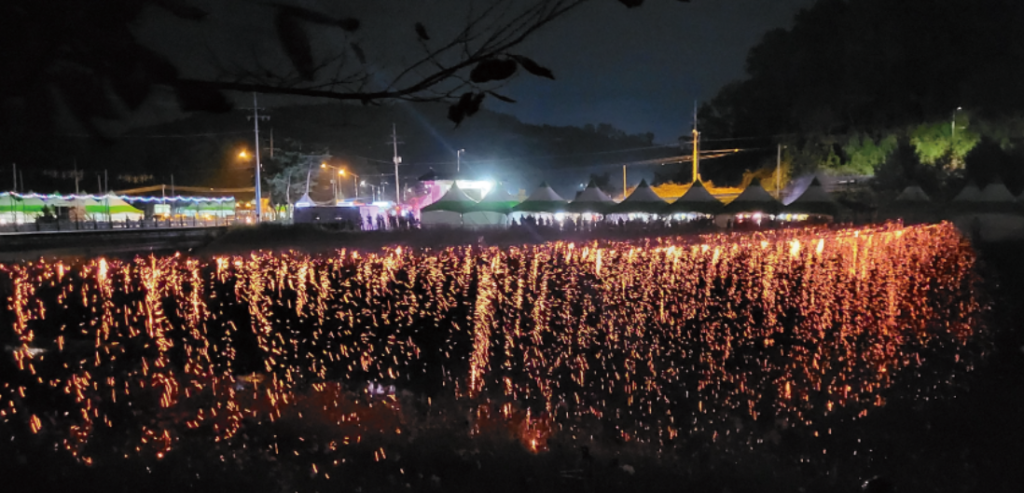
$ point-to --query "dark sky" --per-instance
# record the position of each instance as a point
(639, 69)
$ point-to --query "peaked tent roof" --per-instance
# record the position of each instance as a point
(754, 199)
(454, 200)
(497, 200)
(997, 192)
(995, 198)
(913, 194)
(543, 199)
(110, 204)
(591, 199)
(970, 193)
(12, 203)
(642, 200)
(814, 200)
(305, 201)
(696, 199)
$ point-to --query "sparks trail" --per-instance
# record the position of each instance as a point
(653, 339)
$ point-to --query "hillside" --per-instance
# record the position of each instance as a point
(202, 150)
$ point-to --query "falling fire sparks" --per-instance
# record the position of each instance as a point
(657, 338)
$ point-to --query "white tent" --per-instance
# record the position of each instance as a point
(970, 193)
(696, 200)
(996, 192)
(110, 207)
(643, 200)
(754, 199)
(912, 206)
(992, 213)
(591, 200)
(814, 201)
(913, 194)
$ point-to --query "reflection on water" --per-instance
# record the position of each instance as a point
(645, 341)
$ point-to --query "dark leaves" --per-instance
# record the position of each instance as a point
(182, 9)
(493, 69)
(468, 105)
(306, 15)
(295, 43)
(134, 72)
(501, 97)
(533, 67)
(358, 50)
(631, 3)
(198, 97)
(421, 31)
(349, 24)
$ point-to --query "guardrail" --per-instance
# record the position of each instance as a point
(66, 225)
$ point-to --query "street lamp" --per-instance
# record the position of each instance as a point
(952, 138)
(355, 187)
(334, 185)
(458, 160)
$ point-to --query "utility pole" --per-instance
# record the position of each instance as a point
(15, 165)
(397, 159)
(106, 183)
(778, 173)
(256, 131)
(696, 146)
(623, 182)
(76, 175)
(952, 138)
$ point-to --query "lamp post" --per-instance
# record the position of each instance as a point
(355, 186)
(952, 136)
(458, 160)
(373, 190)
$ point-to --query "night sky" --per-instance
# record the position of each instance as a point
(639, 69)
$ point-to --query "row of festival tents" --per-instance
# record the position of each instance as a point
(16, 208)
(991, 212)
(455, 207)
(21, 209)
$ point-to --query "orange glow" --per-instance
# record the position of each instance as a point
(659, 339)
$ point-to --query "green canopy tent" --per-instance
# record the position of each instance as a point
(696, 200)
(16, 209)
(493, 210)
(591, 201)
(110, 207)
(542, 200)
(448, 210)
(643, 200)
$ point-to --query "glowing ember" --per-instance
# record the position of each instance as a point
(654, 339)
